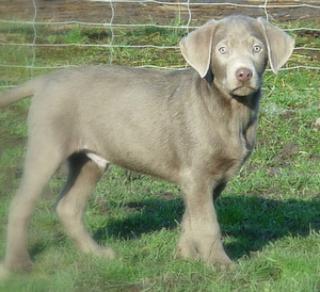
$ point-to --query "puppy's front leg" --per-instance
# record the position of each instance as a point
(201, 236)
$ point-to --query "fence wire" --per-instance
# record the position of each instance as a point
(126, 25)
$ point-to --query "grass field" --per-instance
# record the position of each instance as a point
(269, 213)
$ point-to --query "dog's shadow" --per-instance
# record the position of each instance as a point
(251, 222)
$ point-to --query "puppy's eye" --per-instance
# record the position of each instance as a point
(257, 49)
(222, 50)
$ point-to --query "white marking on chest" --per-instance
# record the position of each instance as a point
(101, 162)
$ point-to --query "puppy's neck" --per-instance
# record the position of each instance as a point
(239, 111)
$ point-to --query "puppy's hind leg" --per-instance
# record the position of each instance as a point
(83, 176)
(42, 160)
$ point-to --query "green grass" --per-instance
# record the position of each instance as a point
(269, 213)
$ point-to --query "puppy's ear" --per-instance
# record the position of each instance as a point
(279, 44)
(196, 47)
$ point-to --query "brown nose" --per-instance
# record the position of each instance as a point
(243, 74)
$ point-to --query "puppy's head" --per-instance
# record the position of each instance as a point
(236, 50)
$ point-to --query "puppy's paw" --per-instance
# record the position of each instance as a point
(106, 252)
(103, 252)
(187, 250)
(206, 249)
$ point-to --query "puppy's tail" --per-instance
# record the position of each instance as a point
(12, 95)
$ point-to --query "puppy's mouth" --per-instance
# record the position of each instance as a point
(243, 90)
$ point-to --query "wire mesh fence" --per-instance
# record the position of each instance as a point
(139, 33)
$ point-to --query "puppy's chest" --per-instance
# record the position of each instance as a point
(242, 132)
(245, 145)
(231, 151)
(237, 147)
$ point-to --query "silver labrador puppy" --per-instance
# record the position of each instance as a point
(194, 127)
